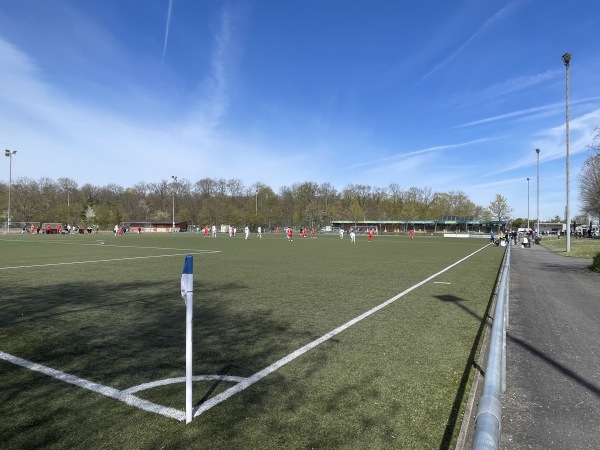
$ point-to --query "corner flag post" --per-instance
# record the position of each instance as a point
(187, 292)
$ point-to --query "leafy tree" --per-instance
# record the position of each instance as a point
(355, 212)
(500, 209)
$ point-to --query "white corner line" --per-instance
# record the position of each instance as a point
(107, 391)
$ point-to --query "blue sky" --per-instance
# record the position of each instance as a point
(450, 95)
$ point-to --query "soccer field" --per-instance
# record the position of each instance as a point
(315, 343)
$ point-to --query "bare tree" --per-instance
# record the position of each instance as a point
(589, 186)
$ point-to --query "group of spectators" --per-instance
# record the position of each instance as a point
(524, 237)
(58, 229)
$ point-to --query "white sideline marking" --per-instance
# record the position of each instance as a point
(107, 260)
(286, 359)
(61, 242)
(122, 396)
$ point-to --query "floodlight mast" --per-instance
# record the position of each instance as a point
(174, 182)
(528, 203)
(567, 61)
(9, 153)
(537, 151)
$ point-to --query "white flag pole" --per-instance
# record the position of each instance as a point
(187, 292)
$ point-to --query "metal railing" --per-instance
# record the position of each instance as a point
(489, 412)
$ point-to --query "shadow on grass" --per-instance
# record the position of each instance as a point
(105, 330)
(471, 362)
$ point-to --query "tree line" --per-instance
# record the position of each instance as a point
(229, 201)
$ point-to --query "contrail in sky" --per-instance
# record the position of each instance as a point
(167, 30)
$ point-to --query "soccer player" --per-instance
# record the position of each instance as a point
(341, 233)
(371, 232)
(246, 232)
(290, 234)
(312, 232)
(353, 237)
(259, 232)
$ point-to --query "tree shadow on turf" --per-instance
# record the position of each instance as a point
(470, 364)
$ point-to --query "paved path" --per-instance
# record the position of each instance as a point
(552, 399)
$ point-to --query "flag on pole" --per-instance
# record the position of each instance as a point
(187, 292)
(187, 276)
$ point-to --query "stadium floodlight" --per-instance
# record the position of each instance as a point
(528, 203)
(9, 154)
(174, 182)
(537, 151)
(567, 61)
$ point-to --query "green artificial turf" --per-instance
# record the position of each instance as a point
(108, 309)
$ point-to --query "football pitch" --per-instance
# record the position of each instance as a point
(315, 343)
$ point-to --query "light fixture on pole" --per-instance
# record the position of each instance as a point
(528, 203)
(174, 182)
(567, 61)
(537, 151)
(10, 154)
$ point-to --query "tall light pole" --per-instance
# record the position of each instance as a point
(567, 60)
(527, 202)
(174, 182)
(10, 154)
(537, 151)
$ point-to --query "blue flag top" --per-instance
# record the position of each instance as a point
(187, 276)
(188, 266)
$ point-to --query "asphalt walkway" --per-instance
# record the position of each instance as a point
(552, 399)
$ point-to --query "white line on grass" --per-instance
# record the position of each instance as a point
(153, 384)
(107, 260)
(97, 242)
(286, 359)
(122, 396)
